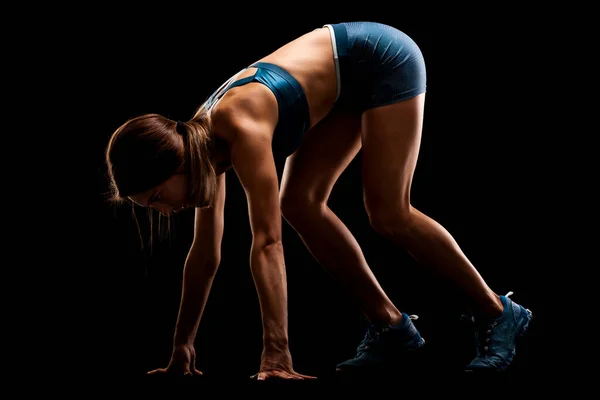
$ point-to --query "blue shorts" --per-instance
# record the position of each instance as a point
(376, 65)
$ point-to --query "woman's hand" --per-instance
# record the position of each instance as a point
(183, 361)
(280, 374)
(278, 366)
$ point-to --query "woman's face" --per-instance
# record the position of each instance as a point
(168, 197)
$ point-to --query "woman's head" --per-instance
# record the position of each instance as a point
(157, 162)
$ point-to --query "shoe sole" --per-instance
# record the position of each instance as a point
(380, 367)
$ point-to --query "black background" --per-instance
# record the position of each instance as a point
(477, 175)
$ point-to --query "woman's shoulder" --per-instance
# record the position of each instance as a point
(244, 107)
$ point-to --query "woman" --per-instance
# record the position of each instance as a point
(289, 125)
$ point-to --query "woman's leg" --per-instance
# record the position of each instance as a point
(391, 138)
(308, 179)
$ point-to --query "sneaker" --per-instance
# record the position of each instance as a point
(384, 345)
(496, 340)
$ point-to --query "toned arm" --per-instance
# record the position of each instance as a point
(201, 266)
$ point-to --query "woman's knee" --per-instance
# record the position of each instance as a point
(390, 221)
(296, 204)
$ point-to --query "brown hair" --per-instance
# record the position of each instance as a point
(146, 150)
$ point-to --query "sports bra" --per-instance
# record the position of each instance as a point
(294, 118)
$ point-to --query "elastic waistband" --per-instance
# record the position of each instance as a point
(339, 42)
(341, 39)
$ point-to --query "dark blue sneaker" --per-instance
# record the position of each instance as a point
(385, 345)
(496, 339)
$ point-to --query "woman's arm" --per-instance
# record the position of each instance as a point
(253, 162)
(201, 266)
(248, 122)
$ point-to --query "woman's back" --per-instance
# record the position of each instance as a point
(309, 59)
